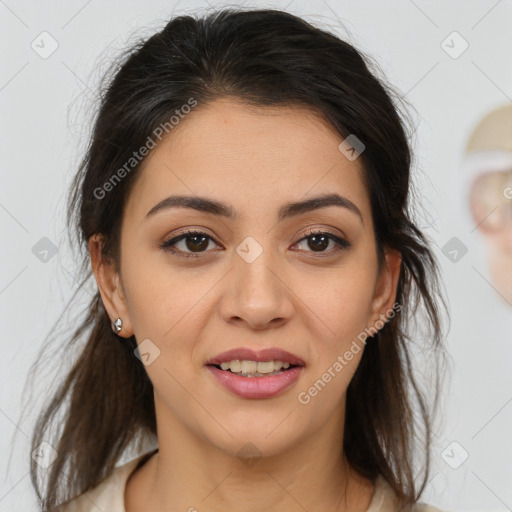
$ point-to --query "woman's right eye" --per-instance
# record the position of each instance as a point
(193, 244)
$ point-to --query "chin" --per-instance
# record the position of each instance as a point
(264, 438)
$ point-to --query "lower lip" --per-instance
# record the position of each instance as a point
(257, 387)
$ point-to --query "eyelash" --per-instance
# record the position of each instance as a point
(341, 244)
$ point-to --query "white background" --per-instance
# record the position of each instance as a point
(44, 129)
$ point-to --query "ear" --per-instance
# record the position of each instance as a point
(109, 285)
(385, 288)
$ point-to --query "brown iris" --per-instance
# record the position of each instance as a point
(196, 242)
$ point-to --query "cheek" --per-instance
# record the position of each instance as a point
(164, 301)
(341, 308)
(340, 300)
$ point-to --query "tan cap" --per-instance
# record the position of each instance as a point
(493, 132)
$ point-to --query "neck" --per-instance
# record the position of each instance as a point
(190, 474)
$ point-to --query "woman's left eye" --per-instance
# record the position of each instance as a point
(321, 239)
(196, 242)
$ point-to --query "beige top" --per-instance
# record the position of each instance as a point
(109, 495)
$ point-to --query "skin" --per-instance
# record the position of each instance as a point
(289, 297)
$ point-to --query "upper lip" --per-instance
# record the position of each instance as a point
(267, 354)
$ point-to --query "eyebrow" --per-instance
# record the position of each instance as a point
(207, 205)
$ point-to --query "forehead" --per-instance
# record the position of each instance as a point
(253, 157)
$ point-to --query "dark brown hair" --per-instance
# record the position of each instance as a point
(264, 58)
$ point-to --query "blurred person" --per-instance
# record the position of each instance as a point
(487, 171)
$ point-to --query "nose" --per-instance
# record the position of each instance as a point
(256, 294)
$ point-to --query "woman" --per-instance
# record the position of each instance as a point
(245, 205)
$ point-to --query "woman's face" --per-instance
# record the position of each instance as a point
(258, 280)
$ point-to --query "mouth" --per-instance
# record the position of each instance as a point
(249, 363)
(249, 374)
(248, 368)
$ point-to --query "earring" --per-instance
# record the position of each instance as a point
(117, 325)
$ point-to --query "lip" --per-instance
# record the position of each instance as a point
(257, 387)
(267, 354)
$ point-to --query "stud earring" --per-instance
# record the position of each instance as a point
(117, 325)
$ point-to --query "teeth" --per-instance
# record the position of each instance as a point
(253, 367)
(235, 366)
(266, 366)
(249, 366)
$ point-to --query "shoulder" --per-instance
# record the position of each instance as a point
(384, 500)
(109, 495)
